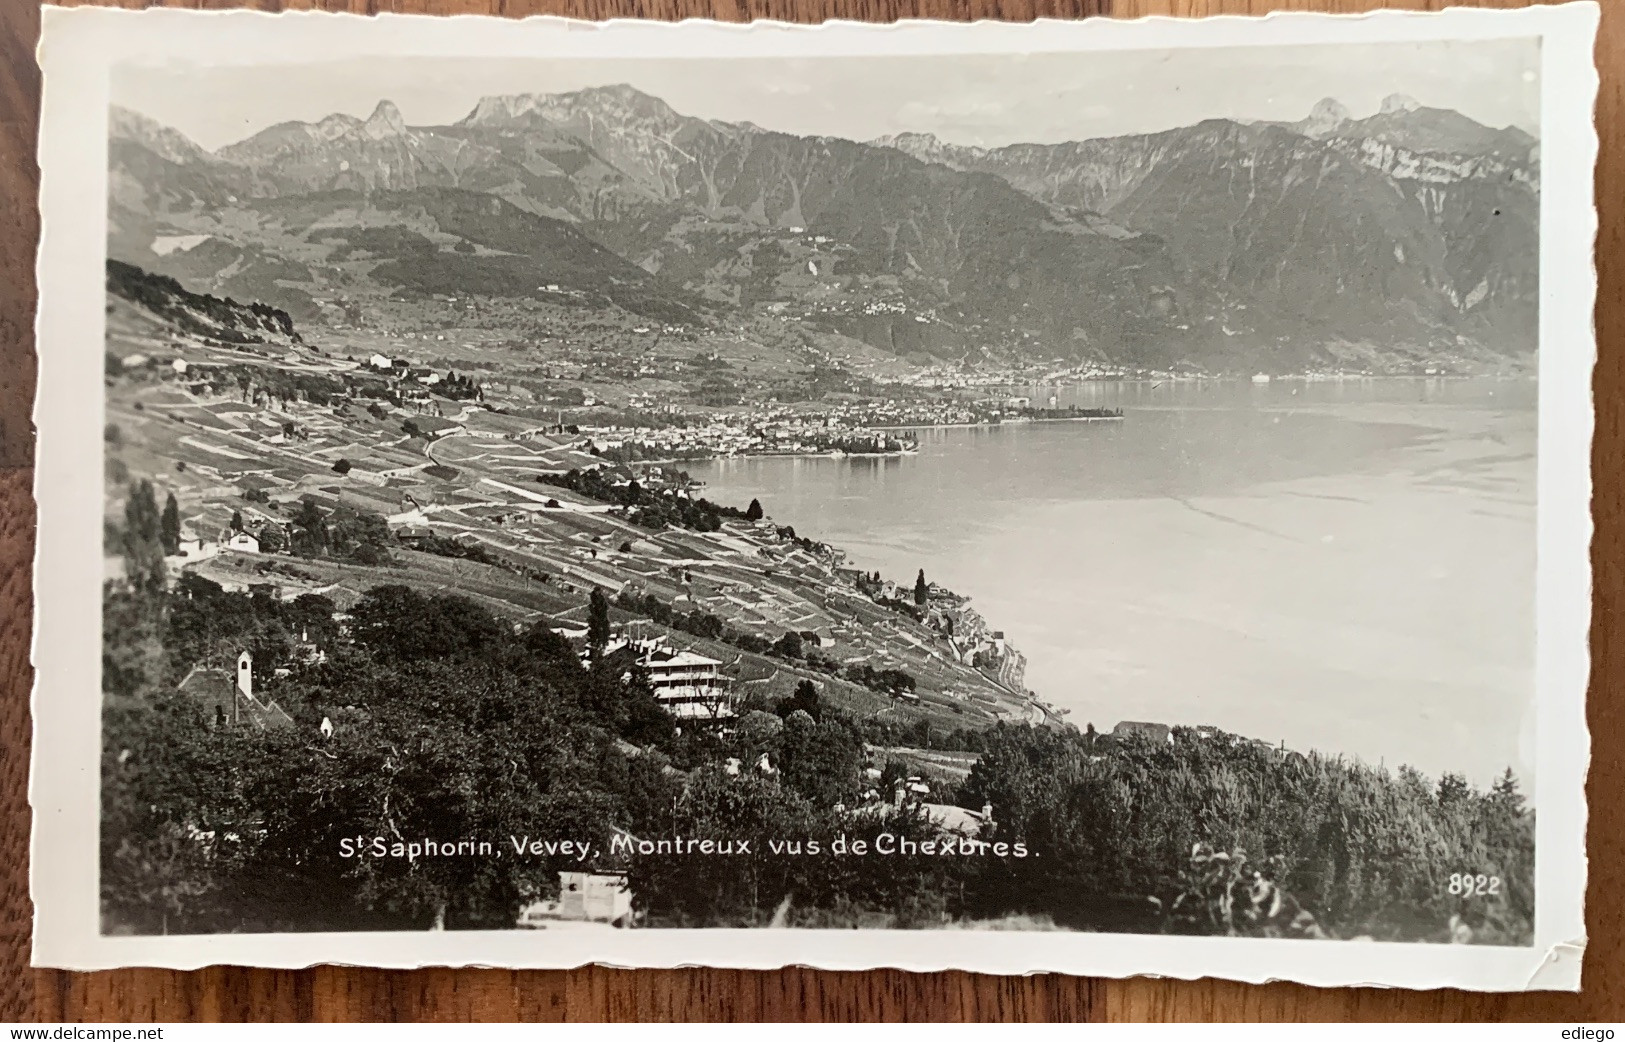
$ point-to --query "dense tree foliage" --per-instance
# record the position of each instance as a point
(1370, 852)
(646, 508)
(345, 533)
(459, 388)
(445, 546)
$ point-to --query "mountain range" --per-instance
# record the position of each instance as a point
(1409, 234)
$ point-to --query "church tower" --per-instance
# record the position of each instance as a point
(245, 685)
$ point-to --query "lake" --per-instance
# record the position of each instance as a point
(1344, 565)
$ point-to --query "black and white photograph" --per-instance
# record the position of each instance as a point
(1011, 490)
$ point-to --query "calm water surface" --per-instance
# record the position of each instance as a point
(1344, 566)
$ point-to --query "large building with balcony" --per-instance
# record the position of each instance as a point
(687, 685)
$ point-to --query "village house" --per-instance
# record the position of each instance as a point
(413, 536)
(596, 891)
(196, 546)
(435, 426)
(592, 897)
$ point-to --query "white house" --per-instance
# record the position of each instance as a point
(243, 542)
(601, 897)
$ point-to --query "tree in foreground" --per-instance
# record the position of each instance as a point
(805, 699)
(754, 512)
(922, 592)
(170, 526)
(597, 622)
(271, 539)
(789, 645)
(141, 540)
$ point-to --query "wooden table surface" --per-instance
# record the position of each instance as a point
(333, 993)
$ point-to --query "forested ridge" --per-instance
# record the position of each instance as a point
(199, 313)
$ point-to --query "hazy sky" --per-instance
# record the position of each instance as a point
(973, 100)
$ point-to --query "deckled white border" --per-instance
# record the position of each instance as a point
(77, 51)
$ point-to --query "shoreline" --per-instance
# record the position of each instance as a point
(772, 455)
(1312, 378)
(1002, 423)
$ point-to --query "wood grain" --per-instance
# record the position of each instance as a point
(342, 994)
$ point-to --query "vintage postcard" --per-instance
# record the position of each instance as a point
(1102, 497)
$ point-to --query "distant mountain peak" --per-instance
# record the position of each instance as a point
(144, 130)
(385, 120)
(1404, 122)
(123, 122)
(495, 108)
(1327, 115)
(929, 148)
(623, 92)
(909, 139)
(1396, 103)
(618, 99)
(615, 98)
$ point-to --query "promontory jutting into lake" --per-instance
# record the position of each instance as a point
(746, 481)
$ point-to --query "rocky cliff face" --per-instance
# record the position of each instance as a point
(1412, 227)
